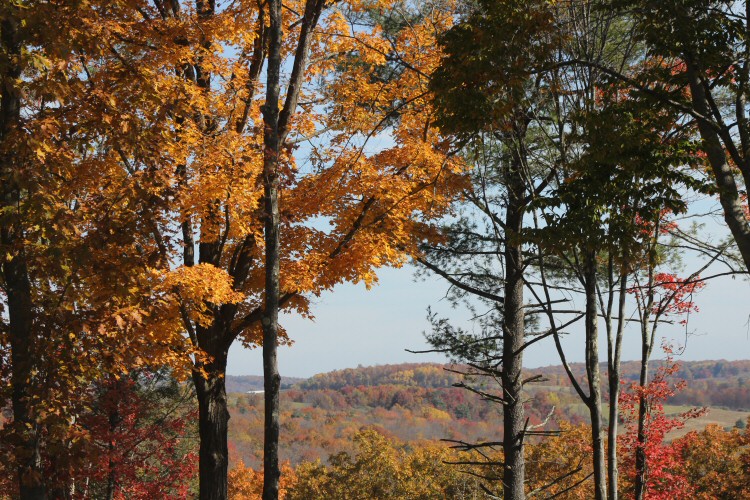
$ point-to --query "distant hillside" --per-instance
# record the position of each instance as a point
(427, 375)
(710, 383)
(417, 401)
(718, 383)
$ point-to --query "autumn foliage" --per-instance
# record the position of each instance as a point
(663, 460)
(246, 483)
(174, 173)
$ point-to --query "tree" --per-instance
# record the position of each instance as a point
(714, 462)
(75, 274)
(247, 484)
(382, 468)
(155, 117)
(566, 458)
(185, 83)
(652, 465)
(491, 103)
(702, 72)
(662, 295)
(140, 430)
(607, 221)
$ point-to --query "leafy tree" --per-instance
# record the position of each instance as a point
(488, 98)
(714, 462)
(630, 172)
(141, 429)
(75, 279)
(383, 469)
(561, 464)
(652, 465)
(247, 484)
(183, 152)
(134, 437)
(698, 66)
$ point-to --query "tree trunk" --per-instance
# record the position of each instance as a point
(270, 320)
(213, 425)
(729, 197)
(16, 277)
(594, 376)
(640, 450)
(30, 473)
(513, 339)
(615, 349)
(648, 331)
(114, 420)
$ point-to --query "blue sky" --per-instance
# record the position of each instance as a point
(354, 326)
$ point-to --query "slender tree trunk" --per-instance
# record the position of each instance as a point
(213, 426)
(615, 348)
(594, 376)
(648, 331)
(270, 320)
(640, 450)
(114, 420)
(641, 464)
(16, 276)
(513, 339)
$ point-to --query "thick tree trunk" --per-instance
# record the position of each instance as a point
(30, 473)
(513, 339)
(594, 376)
(16, 277)
(213, 425)
(270, 320)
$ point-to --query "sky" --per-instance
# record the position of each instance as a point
(354, 326)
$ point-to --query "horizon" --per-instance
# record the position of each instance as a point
(354, 326)
(574, 363)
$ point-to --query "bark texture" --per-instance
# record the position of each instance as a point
(514, 420)
(213, 425)
(594, 376)
(729, 196)
(614, 349)
(275, 130)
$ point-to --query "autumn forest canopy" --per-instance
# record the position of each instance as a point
(178, 177)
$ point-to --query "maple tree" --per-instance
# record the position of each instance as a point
(659, 295)
(162, 127)
(76, 279)
(138, 427)
(168, 188)
(651, 465)
(246, 483)
(714, 462)
(561, 464)
(133, 437)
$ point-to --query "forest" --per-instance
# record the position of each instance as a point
(178, 178)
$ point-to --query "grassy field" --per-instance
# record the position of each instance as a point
(718, 416)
